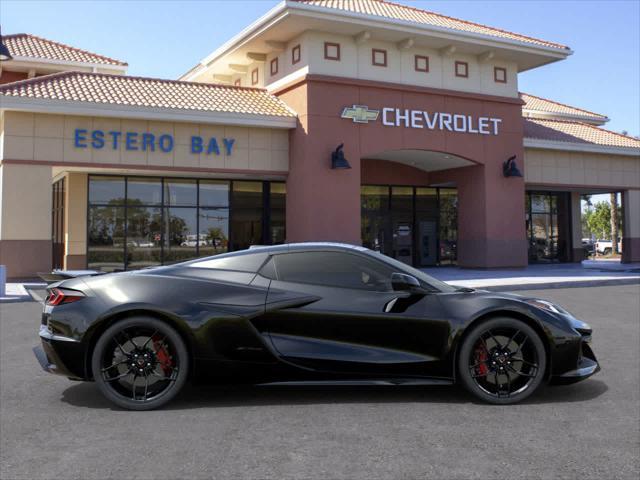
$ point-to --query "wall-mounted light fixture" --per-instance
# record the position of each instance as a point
(4, 51)
(338, 162)
(510, 169)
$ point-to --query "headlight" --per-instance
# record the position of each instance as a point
(544, 305)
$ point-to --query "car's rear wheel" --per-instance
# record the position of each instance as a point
(502, 361)
(140, 363)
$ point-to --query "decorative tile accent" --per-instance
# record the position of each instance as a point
(462, 69)
(295, 54)
(500, 74)
(421, 63)
(378, 57)
(331, 51)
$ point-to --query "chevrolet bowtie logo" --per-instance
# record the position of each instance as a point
(360, 114)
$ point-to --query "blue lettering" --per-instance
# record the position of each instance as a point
(97, 137)
(148, 140)
(196, 144)
(165, 142)
(228, 144)
(132, 141)
(115, 136)
(80, 137)
(213, 146)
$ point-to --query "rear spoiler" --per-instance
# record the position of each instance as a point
(59, 275)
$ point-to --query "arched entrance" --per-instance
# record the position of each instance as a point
(403, 213)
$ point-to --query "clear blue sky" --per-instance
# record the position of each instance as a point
(166, 38)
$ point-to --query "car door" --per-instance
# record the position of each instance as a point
(352, 321)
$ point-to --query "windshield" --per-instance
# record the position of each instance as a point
(432, 283)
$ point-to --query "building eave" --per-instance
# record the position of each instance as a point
(66, 107)
(287, 7)
(529, 113)
(48, 62)
(581, 147)
(301, 7)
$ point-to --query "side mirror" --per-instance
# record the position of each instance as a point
(406, 283)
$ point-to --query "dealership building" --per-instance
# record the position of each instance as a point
(366, 122)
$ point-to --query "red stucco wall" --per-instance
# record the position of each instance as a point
(324, 204)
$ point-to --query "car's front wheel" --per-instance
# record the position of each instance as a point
(140, 363)
(502, 361)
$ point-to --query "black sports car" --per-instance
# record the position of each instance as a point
(303, 313)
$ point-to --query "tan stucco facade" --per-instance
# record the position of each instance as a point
(37, 149)
(355, 61)
(50, 138)
(581, 169)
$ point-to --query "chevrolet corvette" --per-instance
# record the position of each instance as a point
(308, 313)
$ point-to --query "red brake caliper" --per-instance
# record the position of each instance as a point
(162, 355)
(481, 357)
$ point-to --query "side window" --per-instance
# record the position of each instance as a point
(333, 269)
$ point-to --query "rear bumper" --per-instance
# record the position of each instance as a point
(60, 355)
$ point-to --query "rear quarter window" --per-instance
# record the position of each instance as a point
(248, 262)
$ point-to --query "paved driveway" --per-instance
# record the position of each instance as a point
(54, 428)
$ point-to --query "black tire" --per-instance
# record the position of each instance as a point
(117, 346)
(502, 351)
(607, 251)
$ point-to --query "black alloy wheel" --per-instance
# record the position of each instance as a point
(502, 361)
(140, 363)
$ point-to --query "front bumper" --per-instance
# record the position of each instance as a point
(587, 365)
(60, 355)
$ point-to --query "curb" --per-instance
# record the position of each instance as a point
(550, 285)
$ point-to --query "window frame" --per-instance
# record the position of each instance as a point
(255, 76)
(266, 235)
(327, 45)
(296, 54)
(274, 62)
(416, 58)
(375, 51)
(495, 74)
(465, 65)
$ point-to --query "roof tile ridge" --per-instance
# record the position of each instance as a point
(468, 22)
(562, 105)
(104, 57)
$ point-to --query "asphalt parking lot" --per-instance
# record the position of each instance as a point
(53, 428)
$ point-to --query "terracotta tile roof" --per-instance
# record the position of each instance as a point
(395, 11)
(27, 45)
(148, 92)
(575, 132)
(545, 105)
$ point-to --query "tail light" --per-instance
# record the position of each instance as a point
(58, 296)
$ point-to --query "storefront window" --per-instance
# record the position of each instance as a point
(547, 218)
(277, 216)
(106, 190)
(246, 217)
(214, 231)
(427, 226)
(136, 222)
(144, 191)
(181, 193)
(375, 218)
(416, 225)
(106, 238)
(448, 228)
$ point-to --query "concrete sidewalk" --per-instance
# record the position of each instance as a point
(536, 276)
(19, 292)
